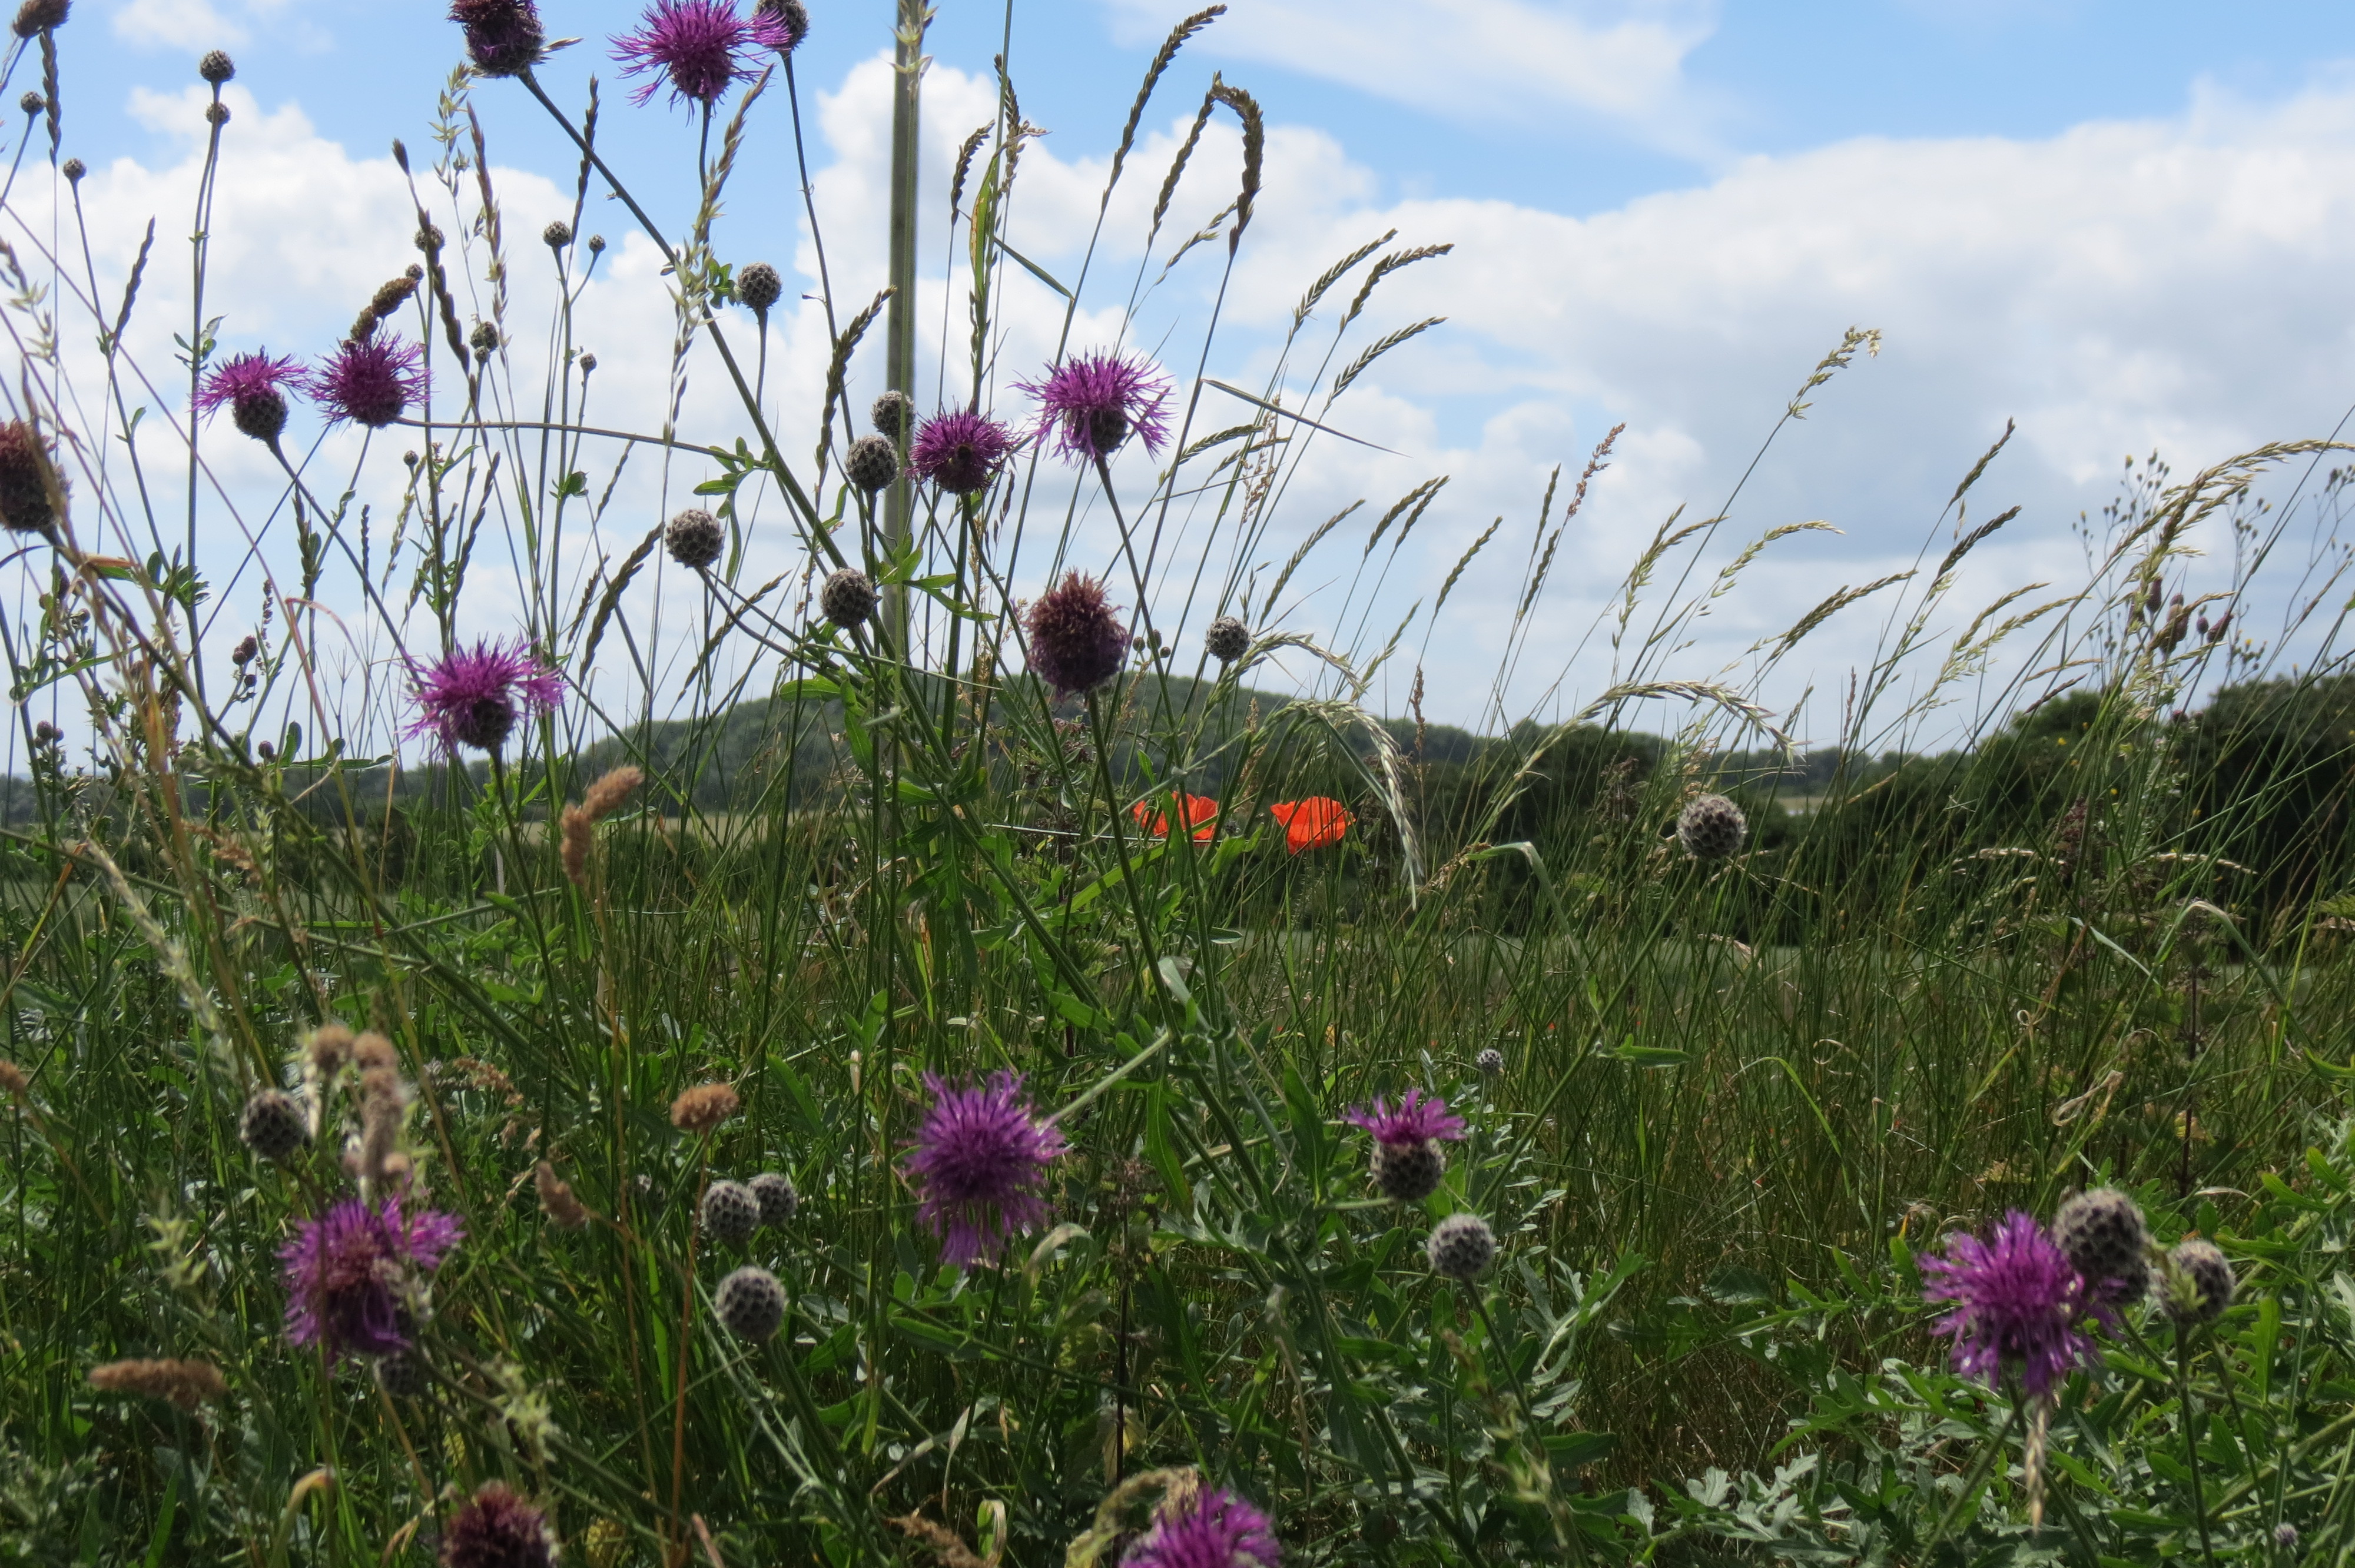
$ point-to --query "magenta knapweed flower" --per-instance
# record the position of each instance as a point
(960, 452)
(1076, 639)
(503, 37)
(370, 380)
(1220, 1529)
(2020, 1305)
(979, 1160)
(349, 1274)
(252, 386)
(1416, 1119)
(497, 1529)
(780, 24)
(474, 698)
(699, 44)
(1093, 402)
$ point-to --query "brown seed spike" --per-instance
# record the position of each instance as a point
(186, 1384)
(702, 1108)
(12, 1079)
(564, 1211)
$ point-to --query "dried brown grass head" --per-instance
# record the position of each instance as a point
(565, 1211)
(186, 1384)
(12, 1079)
(702, 1108)
(604, 798)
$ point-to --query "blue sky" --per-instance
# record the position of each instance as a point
(2126, 227)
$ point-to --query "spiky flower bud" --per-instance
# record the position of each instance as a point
(484, 340)
(217, 113)
(216, 66)
(2200, 1283)
(847, 597)
(777, 1198)
(891, 414)
(1077, 639)
(2103, 1235)
(1227, 639)
(759, 287)
(1461, 1246)
(73, 169)
(32, 103)
(872, 463)
(1710, 827)
(556, 235)
(750, 1302)
(1408, 1172)
(30, 479)
(1491, 1063)
(730, 1212)
(273, 1125)
(2285, 1536)
(695, 538)
(497, 1529)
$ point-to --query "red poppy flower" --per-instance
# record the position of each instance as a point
(1201, 814)
(1312, 823)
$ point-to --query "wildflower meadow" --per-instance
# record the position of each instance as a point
(903, 1001)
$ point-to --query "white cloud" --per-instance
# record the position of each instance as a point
(2172, 283)
(1516, 62)
(189, 24)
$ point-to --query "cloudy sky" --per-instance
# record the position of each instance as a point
(2126, 228)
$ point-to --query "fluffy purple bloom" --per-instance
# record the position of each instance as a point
(1416, 1120)
(2020, 1305)
(349, 1272)
(980, 1159)
(1076, 640)
(780, 24)
(1093, 402)
(699, 44)
(497, 1529)
(370, 380)
(960, 452)
(473, 698)
(503, 37)
(252, 386)
(1219, 1530)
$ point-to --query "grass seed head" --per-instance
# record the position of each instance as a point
(273, 1126)
(1461, 1246)
(751, 1303)
(730, 1212)
(186, 1384)
(1711, 827)
(702, 1108)
(564, 1211)
(777, 1198)
(695, 538)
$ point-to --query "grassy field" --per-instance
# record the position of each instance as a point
(1724, 1103)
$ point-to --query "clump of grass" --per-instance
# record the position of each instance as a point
(1039, 979)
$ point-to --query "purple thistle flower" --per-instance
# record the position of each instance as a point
(474, 698)
(370, 380)
(249, 385)
(1077, 641)
(699, 44)
(1093, 402)
(2020, 1305)
(1416, 1120)
(980, 1159)
(348, 1271)
(503, 37)
(780, 24)
(1218, 1530)
(497, 1529)
(961, 452)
